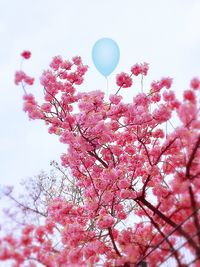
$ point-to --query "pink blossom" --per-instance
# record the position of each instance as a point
(140, 69)
(141, 99)
(158, 85)
(29, 80)
(168, 96)
(121, 215)
(155, 97)
(126, 193)
(123, 184)
(21, 76)
(158, 133)
(81, 69)
(123, 80)
(195, 83)
(162, 113)
(66, 65)
(56, 63)
(28, 229)
(49, 226)
(30, 99)
(115, 99)
(108, 197)
(106, 221)
(75, 256)
(190, 96)
(74, 77)
(136, 69)
(77, 60)
(39, 233)
(166, 82)
(26, 54)
(187, 112)
(46, 107)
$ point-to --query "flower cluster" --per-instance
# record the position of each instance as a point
(21, 76)
(124, 80)
(140, 69)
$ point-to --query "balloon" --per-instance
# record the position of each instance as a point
(105, 55)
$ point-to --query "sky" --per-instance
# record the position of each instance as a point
(166, 34)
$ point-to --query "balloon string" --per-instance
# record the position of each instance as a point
(107, 89)
(142, 83)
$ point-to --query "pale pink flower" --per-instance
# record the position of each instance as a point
(20, 76)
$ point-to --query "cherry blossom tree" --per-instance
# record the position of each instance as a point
(31, 206)
(139, 182)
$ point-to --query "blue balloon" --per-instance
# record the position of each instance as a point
(105, 55)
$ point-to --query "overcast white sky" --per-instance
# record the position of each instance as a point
(164, 33)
